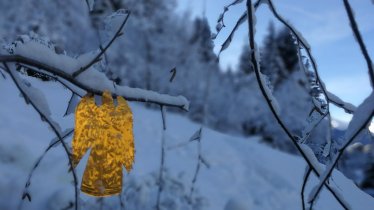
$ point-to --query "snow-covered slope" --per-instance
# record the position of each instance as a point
(243, 173)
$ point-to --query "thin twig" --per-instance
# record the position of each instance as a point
(102, 50)
(54, 129)
(238, 23)
(306, 177)
(360, 41)
(200, 160)
(2, 74)
(160, 177)
(255, 63)
(36, 164)
(121, 203)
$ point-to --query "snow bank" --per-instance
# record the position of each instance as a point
(243, 173)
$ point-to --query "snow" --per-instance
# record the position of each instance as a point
(37, 51)
(350, 108)
(34, 96)
(362, 116)
(243, 173)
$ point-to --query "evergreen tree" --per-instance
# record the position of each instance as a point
(202, 37)
(279, 55)
(245, 66)
(287, 49)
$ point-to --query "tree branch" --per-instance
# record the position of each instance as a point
(160, 178)
(50, 146)
(350, 137)
(348, 107)
(130, 94)
(306, 177)
(238, 23)
(200, 160)
(360, 41)
(103, 50)
(253, 50)
(52, 126)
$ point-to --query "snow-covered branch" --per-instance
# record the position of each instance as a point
(348, 107)
(305, 180)
(255, 58)
(62, 66)
(238, 23)
(360, 121)
(36, 100)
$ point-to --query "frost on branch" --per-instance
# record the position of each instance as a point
(35, 96)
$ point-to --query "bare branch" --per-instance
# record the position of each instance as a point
(200, 160)
(160, 178)
(173, 73)
(2, 74)
(102, 50)
(360, 41)
(53, 143)
(306, 177)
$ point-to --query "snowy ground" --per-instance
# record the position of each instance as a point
(244, 174)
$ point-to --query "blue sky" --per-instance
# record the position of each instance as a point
(324, 25)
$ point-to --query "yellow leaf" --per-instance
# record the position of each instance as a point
(108, 131)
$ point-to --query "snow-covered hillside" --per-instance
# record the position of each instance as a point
(244, 174)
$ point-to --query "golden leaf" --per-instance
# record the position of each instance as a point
(107, 130)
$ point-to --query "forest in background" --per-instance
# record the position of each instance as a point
(156, 40)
